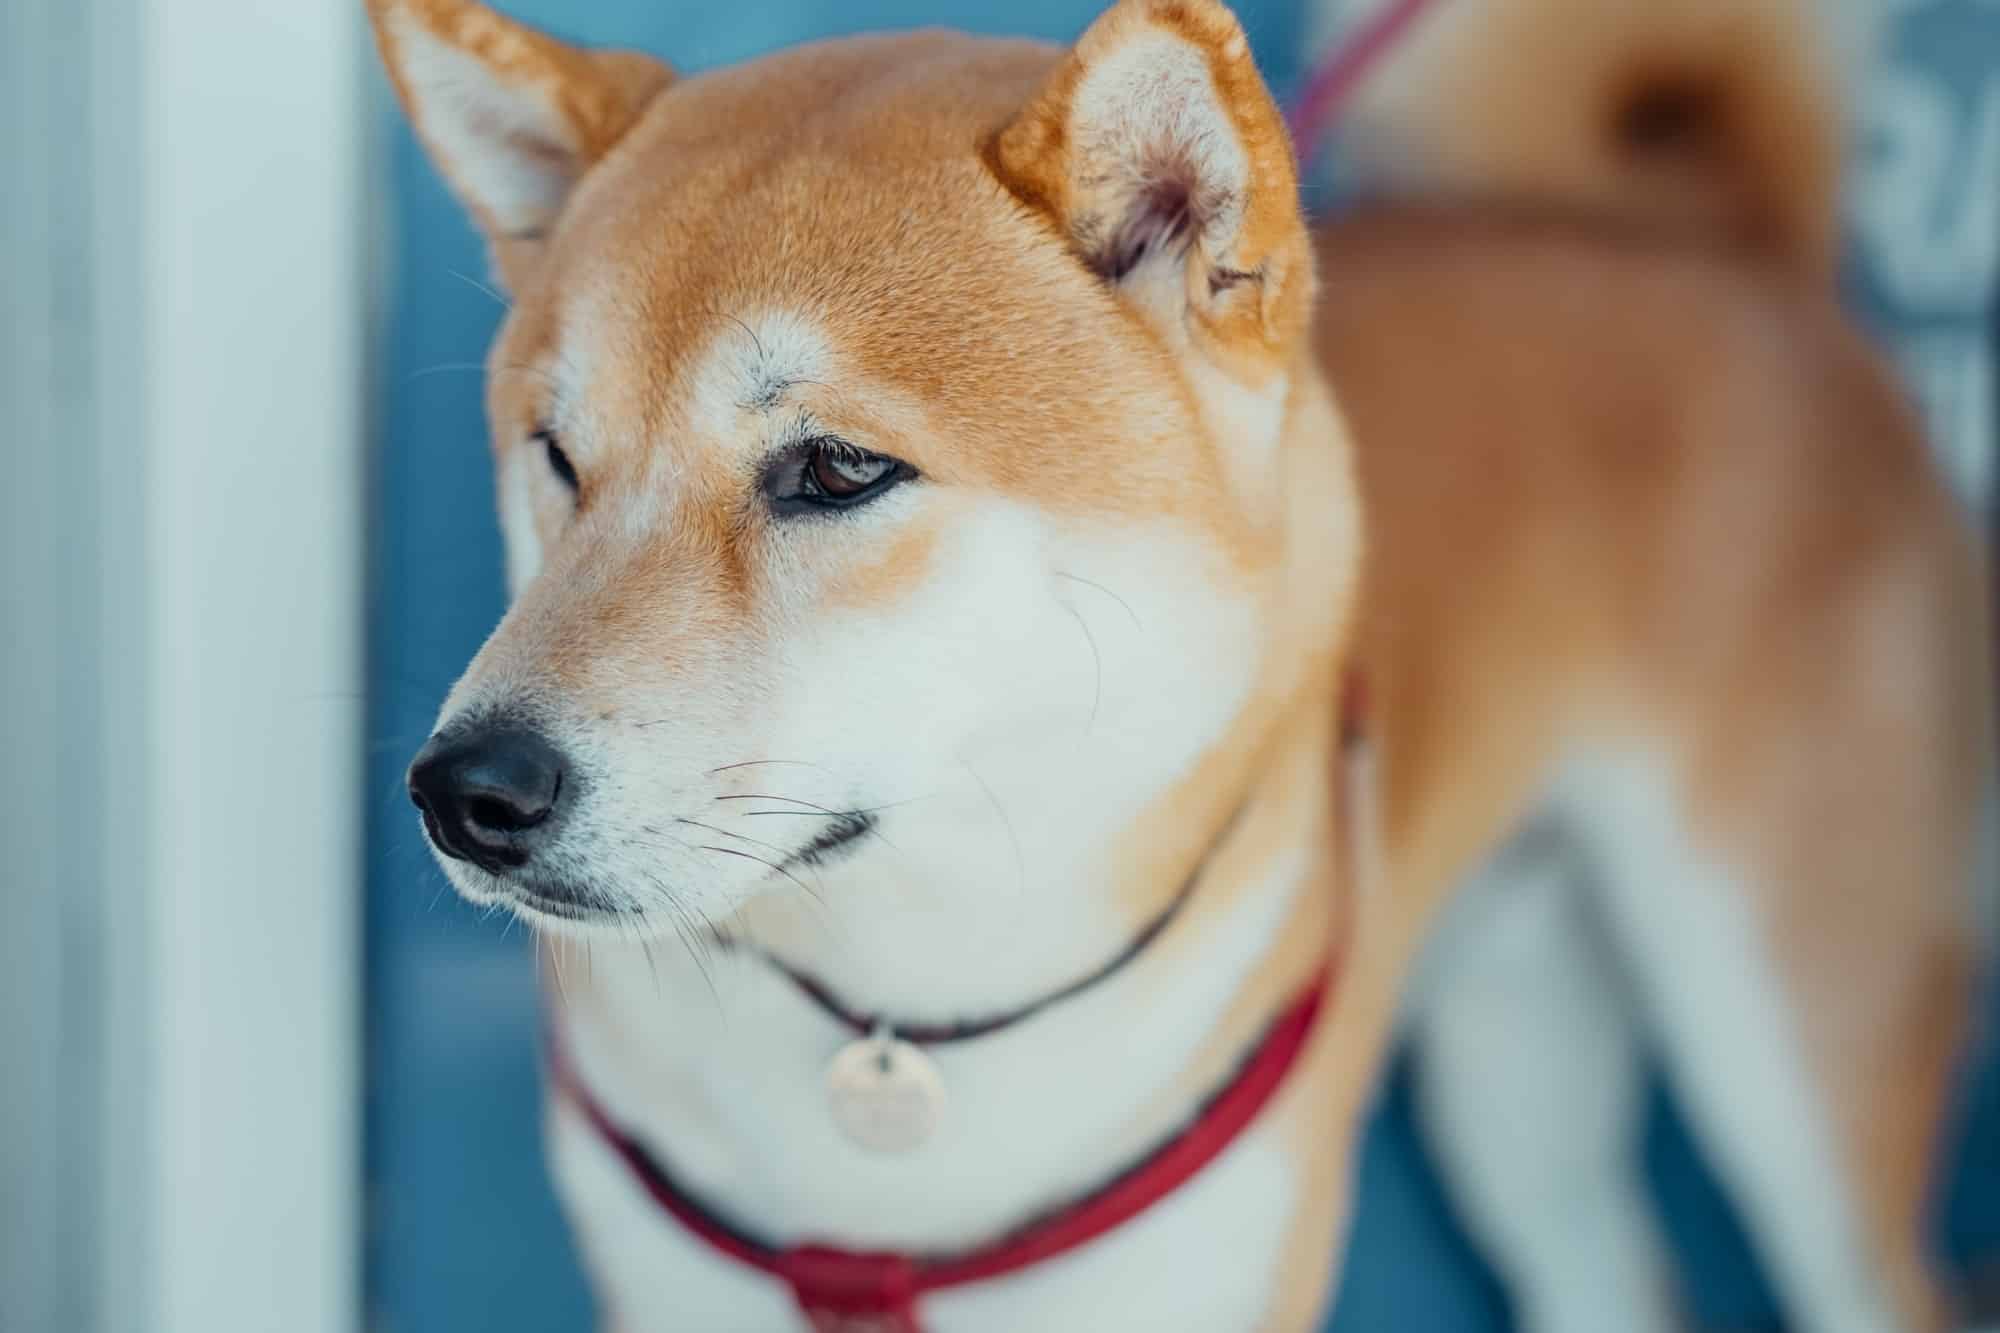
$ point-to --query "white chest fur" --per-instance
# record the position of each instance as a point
(728, 1087)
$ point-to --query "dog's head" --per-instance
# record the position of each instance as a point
(892, 442)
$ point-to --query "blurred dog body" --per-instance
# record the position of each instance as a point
(1719, 646)
(926, 440)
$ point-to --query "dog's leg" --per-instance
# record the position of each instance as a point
(1529, 1085)
(1815, 1087)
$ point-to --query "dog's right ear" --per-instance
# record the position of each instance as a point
(512, 117)
(1156, 150)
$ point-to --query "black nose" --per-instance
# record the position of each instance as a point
(488, 792)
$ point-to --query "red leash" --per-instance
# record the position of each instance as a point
(1333, 83)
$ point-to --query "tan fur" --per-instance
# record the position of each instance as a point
(1615, 487)
(1704, 501)
(1713, 115)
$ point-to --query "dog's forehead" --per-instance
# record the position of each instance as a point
(827, 215)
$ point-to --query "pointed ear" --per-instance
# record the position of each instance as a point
(512, 117)
(1158, 152)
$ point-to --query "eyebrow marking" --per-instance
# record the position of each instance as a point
(768, 392)
(747, 367)
(772, 375)
(768, 389)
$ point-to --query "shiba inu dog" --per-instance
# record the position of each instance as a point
(936, 552)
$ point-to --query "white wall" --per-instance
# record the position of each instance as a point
(251, 559)
(184, 557)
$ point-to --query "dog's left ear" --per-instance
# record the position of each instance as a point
(1158, 152)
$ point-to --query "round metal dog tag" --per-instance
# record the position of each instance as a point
(885, 1094)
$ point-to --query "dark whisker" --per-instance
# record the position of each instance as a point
(788, 800)
(758, 763)
(659, 832)
(1020, 862)
(1097, 661)
(754, 842)
(690, 936)
(864, 817)
(652, 963)
(1091, 583)
(730, 851)
(813, 807)
(825, 814)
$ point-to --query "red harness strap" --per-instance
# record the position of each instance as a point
(843, 1291)
(1334, 81)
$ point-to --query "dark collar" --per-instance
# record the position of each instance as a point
(944, 1034)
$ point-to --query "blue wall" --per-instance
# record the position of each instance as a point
(463, 1229)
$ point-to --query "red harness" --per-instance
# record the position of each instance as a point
(1334, 81)
(845, 1291)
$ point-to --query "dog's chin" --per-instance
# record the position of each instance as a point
(558, 915)
(555, 909)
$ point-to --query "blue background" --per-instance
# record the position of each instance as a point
(463, 1231)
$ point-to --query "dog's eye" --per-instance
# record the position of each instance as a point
(831, 474)
(838, 475)
(558, 460)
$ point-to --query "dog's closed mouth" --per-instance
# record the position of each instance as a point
(562, 908)
(845, 830)
(566, 901)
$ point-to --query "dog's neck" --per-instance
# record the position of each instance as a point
(717, 1063)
